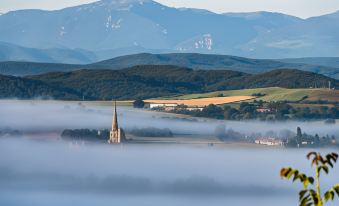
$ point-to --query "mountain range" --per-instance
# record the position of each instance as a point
(110, 28)
(149, 81)
(188, 60)
(12, 52)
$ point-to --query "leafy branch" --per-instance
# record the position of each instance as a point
(311, 194)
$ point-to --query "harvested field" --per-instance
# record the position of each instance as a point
(202, 101)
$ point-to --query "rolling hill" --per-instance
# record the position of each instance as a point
(153, 81)
(189, 60)
(206, 61)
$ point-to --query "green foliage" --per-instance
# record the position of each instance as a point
(149, 81)
(276, 111)
(312, 196)
(16, 87)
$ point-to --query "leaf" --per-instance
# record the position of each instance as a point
(296, 176)
(329, 195)
(331, 157)
(336, 189)
(323, 167)
(306, 182)
(302, 194)
(321, 159)
(287, 172)
(314, 197)
(305, 201)
(310, 154)
(335, 155)
(283, 172)
(315, 159)
(311, 180)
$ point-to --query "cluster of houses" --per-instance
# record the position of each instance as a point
(269, 141)
(172, 106)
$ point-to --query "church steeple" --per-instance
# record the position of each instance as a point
(115, 118)
(116, 134)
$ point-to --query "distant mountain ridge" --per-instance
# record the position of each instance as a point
(108, 26)
(32, 68)
(189, 60)
(205, 61)
(12, 52)
(321, 61)
(150, 81)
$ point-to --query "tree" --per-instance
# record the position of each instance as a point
(299, 136)
(220, 131)
(139, 103)
(312, 196)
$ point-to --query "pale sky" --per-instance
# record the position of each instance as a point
(300, 8)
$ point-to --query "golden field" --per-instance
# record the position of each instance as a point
(201, 102)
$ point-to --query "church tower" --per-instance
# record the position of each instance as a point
(116, 134)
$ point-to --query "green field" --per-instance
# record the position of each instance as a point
(275, 94)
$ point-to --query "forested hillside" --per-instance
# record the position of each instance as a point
(16, 87)
(150, 81)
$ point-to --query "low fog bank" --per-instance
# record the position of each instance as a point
(36, 173)
(58, 115)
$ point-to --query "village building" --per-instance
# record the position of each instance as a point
(117, 135)
(263, 110)
(269, 141)
(195, 108)
(165, 106)
(173, 106)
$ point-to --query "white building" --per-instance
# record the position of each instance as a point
(166, 106)
(269, 141)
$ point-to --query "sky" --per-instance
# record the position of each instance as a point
(300, 8)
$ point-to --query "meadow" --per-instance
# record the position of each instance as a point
(273, 94)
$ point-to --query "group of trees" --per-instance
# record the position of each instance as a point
(273, 111)
(151, 132)
(86, 135)
(310, 141)
(7, 132)
(227, 134)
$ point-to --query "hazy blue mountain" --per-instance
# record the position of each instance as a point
(143, 25)
(32, 68)
(313, 37)
(11, 52)
(322, 61)
(189, 60)
(266, 20)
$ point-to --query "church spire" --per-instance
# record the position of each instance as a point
(116, 135)
(115, 117)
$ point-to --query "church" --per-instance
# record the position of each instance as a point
(117, 135)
